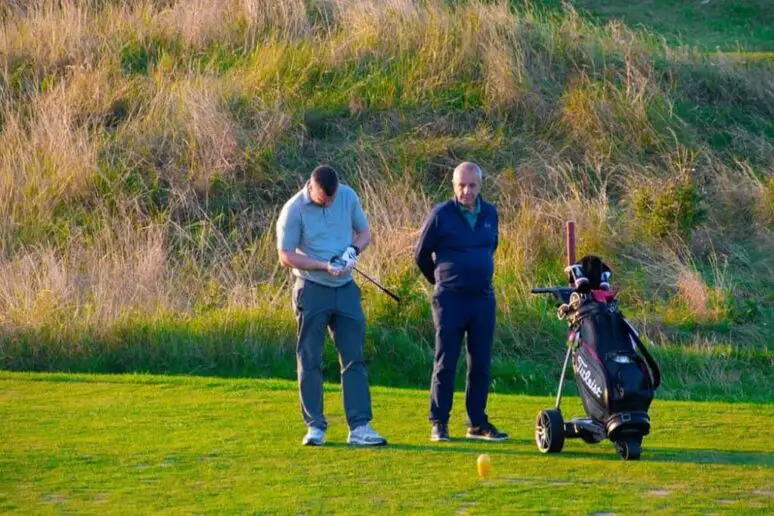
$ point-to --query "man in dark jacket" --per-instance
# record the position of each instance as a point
(455, 253)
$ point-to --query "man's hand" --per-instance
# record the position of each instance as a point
(337, 267)
(349, 257)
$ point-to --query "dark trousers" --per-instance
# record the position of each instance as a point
(320, 308)
(454, 316)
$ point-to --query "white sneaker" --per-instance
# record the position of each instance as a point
(364, 435)
(314, 437)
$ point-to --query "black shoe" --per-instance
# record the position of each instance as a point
(486, 432)
(440, 432)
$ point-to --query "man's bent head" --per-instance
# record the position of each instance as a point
(323, 185)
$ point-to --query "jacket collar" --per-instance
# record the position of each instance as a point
(479, 204)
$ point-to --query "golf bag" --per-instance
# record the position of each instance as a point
(615, 374)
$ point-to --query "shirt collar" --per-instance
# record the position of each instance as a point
(474, 211)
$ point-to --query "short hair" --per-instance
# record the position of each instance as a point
(469, 165)
(326, 178)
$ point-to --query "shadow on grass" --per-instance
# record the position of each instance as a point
(710, 456)
(693, 456)
(474, 447)
(604, 451)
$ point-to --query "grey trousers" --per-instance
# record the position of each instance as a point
(338, 309)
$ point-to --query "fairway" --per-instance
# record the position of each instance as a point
(127, 444)
(158, 184)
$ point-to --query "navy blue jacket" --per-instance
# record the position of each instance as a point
(464, 260)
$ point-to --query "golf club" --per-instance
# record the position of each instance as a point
(335, 260)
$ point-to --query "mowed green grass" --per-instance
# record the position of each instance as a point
(126, 444)
(713, 25)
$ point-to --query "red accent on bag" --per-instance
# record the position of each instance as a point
(603, 296)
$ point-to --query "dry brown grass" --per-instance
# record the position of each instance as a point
(53, 34)
(569, 132)
(45, 158)
(186, 134)
(692, 289)
(395, 211)
(605, 119)
(124, 268)
(201, 22)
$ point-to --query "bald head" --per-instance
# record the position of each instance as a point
(467, 183)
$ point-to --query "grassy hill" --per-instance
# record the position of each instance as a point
(146, 147)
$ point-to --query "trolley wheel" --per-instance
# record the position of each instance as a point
(629, 449)
(549, 431)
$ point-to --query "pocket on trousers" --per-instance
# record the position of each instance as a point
(298, 294)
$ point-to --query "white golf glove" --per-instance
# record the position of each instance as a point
(349, 256)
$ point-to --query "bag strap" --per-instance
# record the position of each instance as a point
(652, 365)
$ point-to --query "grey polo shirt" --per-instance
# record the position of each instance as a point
(320, 233)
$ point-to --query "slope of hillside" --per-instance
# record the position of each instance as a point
(146, 147)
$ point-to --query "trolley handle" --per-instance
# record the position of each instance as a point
(562, 294)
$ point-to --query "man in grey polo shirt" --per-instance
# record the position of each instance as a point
(321, 231)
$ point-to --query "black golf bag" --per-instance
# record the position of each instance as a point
(615, 374)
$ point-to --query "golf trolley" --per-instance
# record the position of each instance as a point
(615, 374)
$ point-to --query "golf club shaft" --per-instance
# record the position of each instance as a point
(369, 278)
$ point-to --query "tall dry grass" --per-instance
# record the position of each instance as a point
(46, 158)
(180, 161)
(123, 267)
